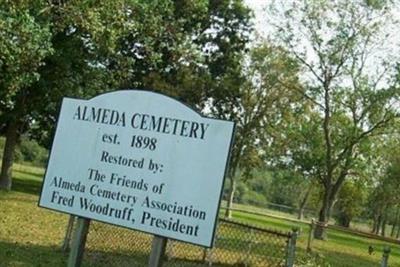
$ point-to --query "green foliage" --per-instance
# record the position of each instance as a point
(286, 188)
(348, 100)
(351, 201)
(32, 152)
(384, 197)
(174, 47)
(251, 197)
(54, 49)
(25, 40)
(273, 186)
(258, 96)
(2, 142)
(28, 152)
(254, 191)
(312, 260)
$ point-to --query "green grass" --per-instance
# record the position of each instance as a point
(32, 236)
(340, 249)
(29, 235)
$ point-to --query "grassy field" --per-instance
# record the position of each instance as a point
(29, 235)
(32, 236)
(341, 249)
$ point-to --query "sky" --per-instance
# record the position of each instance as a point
(389, 45)
(260, 21)
(259, 6)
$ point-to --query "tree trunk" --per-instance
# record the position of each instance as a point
(323, 218)
(373, 225)
(398, 231)
(392, 232)
(229, 204)
(319, 232)
(396, 221)
(343, 220)
(304, 202)
(375, 222)
(378, 224)
(324, 215)
(8, 155)
(383, 232)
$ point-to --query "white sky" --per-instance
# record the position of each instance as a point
(260, 20)
(390, 44)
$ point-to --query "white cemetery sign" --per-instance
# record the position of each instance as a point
(140, 160)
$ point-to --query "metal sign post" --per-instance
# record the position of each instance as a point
(157, 251)
(78, 242)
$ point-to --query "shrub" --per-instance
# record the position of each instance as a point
(254, 198)
(28, 152)
(32, 152)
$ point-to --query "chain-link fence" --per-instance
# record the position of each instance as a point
(236, 244)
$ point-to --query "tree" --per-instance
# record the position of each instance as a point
(287, 187)
(350, 201)
(297, 151)
(24, 42)
(99, 47)
(72, 50)
(345, 76)
(384, 200)
(256, 103)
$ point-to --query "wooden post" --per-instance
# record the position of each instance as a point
(291, 248)
(78, 242)
(157, 251)
(385, 257)
(68, 234)
(310, 235)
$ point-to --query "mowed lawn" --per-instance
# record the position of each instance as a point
(32, 236)
(29, 235)
(341, 249)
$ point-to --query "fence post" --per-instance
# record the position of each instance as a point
(310, 235)
(291, 248)
(385, 256)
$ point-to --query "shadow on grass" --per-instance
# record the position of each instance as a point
(359, 242)
(275, 224)
(354, 241)
(347, 260)
(14, 254)
(26, 185)
(30, 173)
(96, 258)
